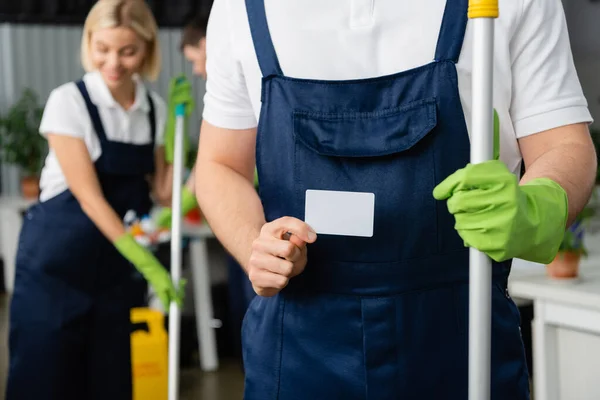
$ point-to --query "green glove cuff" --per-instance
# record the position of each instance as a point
(547, 212)
(188, 201)
(180, 92)
(151, 269)
(139, 256)
(170, 140)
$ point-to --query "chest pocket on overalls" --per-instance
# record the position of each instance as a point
(387, 152)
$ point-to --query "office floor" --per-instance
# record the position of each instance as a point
(226, 384)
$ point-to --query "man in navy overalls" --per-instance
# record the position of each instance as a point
(358, 317)
(400, 302)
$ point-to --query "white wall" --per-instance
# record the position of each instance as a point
(44, 57)
(583, 17)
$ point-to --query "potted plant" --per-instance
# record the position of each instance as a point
(572, 248)
(20, 142)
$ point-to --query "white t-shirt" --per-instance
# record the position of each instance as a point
(535, 83)
(66, 114)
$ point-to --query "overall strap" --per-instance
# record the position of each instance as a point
(97, 122)
(152, 119)
(452, 31)
(92, 111)
(263, 45)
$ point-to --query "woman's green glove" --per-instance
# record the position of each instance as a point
(188, 203)
(180, 92)
(503, 219)
(152, 270)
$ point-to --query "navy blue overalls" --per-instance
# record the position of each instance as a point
(70, 312)
(384, 317)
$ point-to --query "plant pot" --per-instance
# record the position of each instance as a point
(30, 187)
(564, 266)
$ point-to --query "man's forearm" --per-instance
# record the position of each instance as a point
(231, 206)
(573, 167)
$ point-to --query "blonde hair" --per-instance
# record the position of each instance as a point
(133, 14)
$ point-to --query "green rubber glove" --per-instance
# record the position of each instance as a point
(188, 203)
(152, 270)
(503, 219)
(180, 92)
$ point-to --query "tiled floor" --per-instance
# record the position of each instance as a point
(226, 384)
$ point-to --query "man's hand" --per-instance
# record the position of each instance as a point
(180, 92)
(503, 219)
(279, 254)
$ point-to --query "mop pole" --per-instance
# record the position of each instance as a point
(174, 311)
(483, 13)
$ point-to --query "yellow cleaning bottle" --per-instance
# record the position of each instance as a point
(149, 358)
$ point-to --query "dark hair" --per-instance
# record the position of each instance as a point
(194, 31)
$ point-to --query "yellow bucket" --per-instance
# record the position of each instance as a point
(149, 355)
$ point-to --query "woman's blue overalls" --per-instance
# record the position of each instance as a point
(70, 312)
(383, 317)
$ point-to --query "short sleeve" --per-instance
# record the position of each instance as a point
(160, 108)
(226, 102)
(62, 113)
(546, 92)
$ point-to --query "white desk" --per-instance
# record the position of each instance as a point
(522, 269)
(566, 330)
(10, 227)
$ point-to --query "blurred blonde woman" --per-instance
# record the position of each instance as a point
(69, 317)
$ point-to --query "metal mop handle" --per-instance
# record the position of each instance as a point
(483, 13)
(174, 312)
